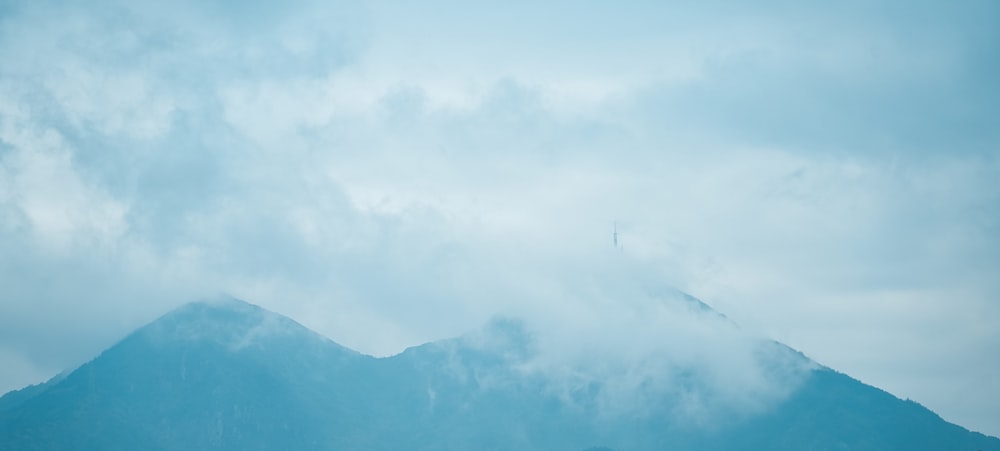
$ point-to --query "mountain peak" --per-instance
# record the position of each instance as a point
(223, 302)
(222, 305)
(227, 321)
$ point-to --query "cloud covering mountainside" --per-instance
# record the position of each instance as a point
(392, 173)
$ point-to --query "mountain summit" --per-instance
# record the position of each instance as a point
(230, 375)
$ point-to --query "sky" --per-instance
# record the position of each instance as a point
(389, 173)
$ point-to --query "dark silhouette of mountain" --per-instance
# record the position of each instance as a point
(230, 375)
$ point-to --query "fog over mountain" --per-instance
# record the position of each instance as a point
(225, 374)
(395, 173)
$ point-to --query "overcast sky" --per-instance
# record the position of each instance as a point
(393, 172)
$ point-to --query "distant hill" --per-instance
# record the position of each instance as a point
(228, 375)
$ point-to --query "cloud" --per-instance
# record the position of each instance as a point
(814, 173)
(637, 348)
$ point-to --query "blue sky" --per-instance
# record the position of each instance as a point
(389, 173)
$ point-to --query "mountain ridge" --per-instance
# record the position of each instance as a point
(232, 375)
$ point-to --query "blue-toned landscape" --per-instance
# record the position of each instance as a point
(519, 225)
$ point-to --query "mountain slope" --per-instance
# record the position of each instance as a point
(203, 376)
(229, 375)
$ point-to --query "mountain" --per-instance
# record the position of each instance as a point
(231, 375)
